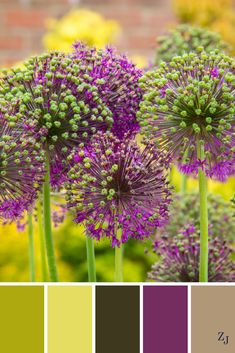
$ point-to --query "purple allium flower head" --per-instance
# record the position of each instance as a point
(58, 173)
(58, 216)
(117, 80)
(179, 258)
(214, 72)
(185, 210)
(21, 225)
(196, 110)
(53, 99)
(118, 189)
(21, 171)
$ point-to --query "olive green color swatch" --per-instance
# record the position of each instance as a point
(21, 319)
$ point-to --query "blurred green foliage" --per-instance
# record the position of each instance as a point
(70, 240)
(71, 248)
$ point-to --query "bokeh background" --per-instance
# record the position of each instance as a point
(29, 27)
(24, 23)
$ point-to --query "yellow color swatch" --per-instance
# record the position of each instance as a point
(70, 319)
(21, 319)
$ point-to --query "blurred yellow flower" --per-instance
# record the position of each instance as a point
(226, 27)
(83, 25)
(217, 15)
(201, 12)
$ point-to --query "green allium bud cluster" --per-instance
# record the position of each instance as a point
(52, 98)
(21, 171)
(185, 39)
(188, 103)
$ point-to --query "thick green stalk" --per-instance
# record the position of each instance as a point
(203, 270)
(42, 242)
(91, 259)
(171, 175)
(47, 225)
(32, 267)
(184, 180)
(119, 262)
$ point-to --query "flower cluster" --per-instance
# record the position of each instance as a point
(185, 39)
(54, 101)
(179, 258)
(185, 210)
(57, 101)
(21, 171)
(117, 81)
(189, 107)
(118, 189)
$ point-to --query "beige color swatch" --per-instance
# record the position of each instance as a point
(213, 319)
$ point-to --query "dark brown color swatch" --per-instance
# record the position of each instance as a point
(117, 319)
(213, 319)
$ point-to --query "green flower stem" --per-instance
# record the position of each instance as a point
(47, 225)
(203, 271)
(184, 180)
(119, 262)
(184, 177)
(32, 267)
(42, 242)
(91, 259)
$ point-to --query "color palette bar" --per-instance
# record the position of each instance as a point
(120, 318)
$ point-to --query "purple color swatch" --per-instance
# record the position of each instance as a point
(165, 319)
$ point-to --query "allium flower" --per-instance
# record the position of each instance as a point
(21, 225)
(115, 187)
(189, 103)
(185, 39)
(185, 210)
(54, 101)
(179, 258)
(21, 172)
(58, 173)
(58, 216)
(117, 80)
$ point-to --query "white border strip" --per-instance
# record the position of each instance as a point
(154, 284)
